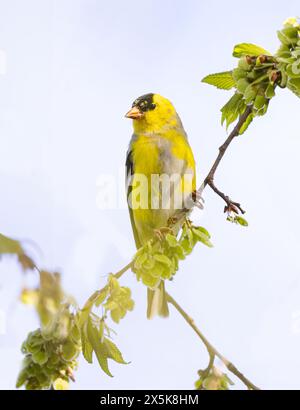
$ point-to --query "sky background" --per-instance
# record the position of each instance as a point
(73, 69)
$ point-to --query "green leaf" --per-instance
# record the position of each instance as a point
(114, 283)
(113, 352)
(150, 281)
(104, 349)
(283, 38)
(187, 247)
(171, 239)
(284, 51)
(293, 70)
(288, 36)
(246, 124)
(162, 259)
(250, 94)
(140, 260)
(241, 221)
(237, 219)
(9, 246)
(238, 74)
(245, 49)
(119, 301)
(259, 101)
(204, 231)
(149, 264)
(22, 378)
(69, 350)
(270, 91)
(60, 384)
(179, 251)
(12, 247)
(202, 237)
(111, 304)
(231, 109)
(87, 349)
(294, 85)
(98, 347)
(223, 80)
(190, 236)
(40, 357)
(116, 315)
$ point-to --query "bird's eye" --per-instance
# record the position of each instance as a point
(144, 104)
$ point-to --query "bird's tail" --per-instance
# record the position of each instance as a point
(157, 302)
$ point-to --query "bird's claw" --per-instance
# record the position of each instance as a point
(160, 233)
(198, 200)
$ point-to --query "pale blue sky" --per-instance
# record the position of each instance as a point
(73, 70)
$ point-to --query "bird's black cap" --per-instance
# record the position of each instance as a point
(145, 102)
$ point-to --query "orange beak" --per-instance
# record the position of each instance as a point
(135, 113)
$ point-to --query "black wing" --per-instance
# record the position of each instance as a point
(129, 174)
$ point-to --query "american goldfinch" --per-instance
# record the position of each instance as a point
(158, 148)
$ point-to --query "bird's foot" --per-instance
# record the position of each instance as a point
(198, 200)
(160, 233)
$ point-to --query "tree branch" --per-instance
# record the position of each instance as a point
(209, 180)
(118, 274)
(180, 214)
(210, 348)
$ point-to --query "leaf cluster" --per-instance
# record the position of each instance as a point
(159, 259)
(95, 333)
(212, 379)
(237, 219)
(51, 351)
(51, 354)
(258, 74)
(288, 55)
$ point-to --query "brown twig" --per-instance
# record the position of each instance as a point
(209, 180)
(210, 348)
(230, 205)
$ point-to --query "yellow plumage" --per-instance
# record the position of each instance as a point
(158, 148)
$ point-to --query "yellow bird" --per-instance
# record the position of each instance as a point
(158, 148)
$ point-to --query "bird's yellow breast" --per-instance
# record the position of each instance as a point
(152, 152)
(146, 155)
(156, 155)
